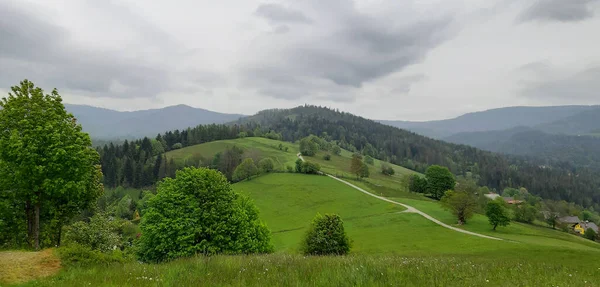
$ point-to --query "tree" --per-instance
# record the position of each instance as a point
(229, 161)
(551, 218)
(417, 184)
(358, 167)
(177, 146)
(266, 165)
(46, 159)
(327, 157)
(590, 234)
(308, 147)
(310, 167)
(439, 180)
(497, 213)
(245, 170)
(369, 160)
(242, 135)
(299, 165)
(100, 233)
(386, 169)
(525, 213)
(198, 212)
(326, 236)
(336, 150)
(462, 204)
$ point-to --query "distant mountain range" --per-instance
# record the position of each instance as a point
(558, 119)
(105, 124)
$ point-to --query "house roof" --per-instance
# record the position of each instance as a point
(569, 219)
(591, 225)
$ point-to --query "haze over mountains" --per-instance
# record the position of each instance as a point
(105, 124)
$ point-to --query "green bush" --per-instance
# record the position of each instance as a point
(266, 165)
(310, 168)
(289, 168)
(177, 146)
(387, 169)
(198, 212)
(326, 236)
(590, 234)
(79, 255)
(245, 170)
(100, 234)
(327, 157)
(369, 160)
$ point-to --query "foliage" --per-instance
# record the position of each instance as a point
(245, 170)
(125, 207)
(439, 180)
(590, 234)
(417, 184)
(46, 160)
(242, 135)
(358, 167)
(308, 167)
(100, 233)
(326, 236)
(299, 165)
(308, 147)
(177, 146)
(336, 150)
(369, 160)
(273, 135)
(266, 165)
(462, 204)
(387, 169)
(197, 212)
(289, 168)
(327, 157)
(525, 213)
(497, 213)
(79, 255)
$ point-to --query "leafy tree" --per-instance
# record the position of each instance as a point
(242, 135)
(364, 170)
(590, 234)
(586, 215)
(551, 219)
(326, 236)
(125, 207)
(497, 213)
(177, 146)
(417, 184)
(245, 170)
(525, 213)
(462, 204)
(45, 159)
(327, 157)
(100, 233)
(369, 160)
(310, 168)
(230, 159)
(439, 180)
(308, 147)
(358, 167)
(266, 165)
(386, 169)
(336, 150)
(198, 212)
(299, 165)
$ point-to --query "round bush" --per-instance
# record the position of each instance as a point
(326, 236)
(198, 212)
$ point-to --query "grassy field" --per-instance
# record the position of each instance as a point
(254, 147)
(23, 266)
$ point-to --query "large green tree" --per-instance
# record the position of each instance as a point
(497, 213)
(198, 212)
(462, 204)
(45, 160)
(439, 180)
(245, 170)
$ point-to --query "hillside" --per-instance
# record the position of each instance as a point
(495, 119)
(417, 152)
(577, 151)
(105, 124)
(584, 123)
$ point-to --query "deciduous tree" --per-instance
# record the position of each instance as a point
(497, 213)
(439, 180)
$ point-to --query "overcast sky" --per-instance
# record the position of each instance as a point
(382, 59)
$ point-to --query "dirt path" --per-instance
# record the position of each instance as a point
(409, 208)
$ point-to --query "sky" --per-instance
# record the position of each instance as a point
(381, 59)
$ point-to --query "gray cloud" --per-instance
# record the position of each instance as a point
(341, 53)
(42, 52)
(582, 86)
(275, 13)
(558, 10)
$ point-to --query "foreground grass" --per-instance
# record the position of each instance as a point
(296, 270)
(22, 266)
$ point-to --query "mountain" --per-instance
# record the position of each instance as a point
(105, 124)
(583, 123)
(497, 119)
(553, 149)
(558, 181)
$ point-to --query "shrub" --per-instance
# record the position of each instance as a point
(242, 135)
(327, 157)
(590, 234)
(299, 165)
(369, 160)
(198, 212)
(79, 255)
(308, 147)
(177, 146)
(100, 234)
(245, 170)
(336, 150)
(266, 165)
(326, 236)
(417, 184)
(310, 168)
(289, 168)
(387, 169)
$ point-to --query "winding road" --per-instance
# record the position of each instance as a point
(409, 209)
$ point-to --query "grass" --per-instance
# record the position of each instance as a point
(23, 266)
(296, 270)
(254, 147)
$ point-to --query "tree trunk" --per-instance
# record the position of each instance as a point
(59, 235)
(28, 212)
(36, 227)
(495, 225)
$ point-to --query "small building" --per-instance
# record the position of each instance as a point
(578, 225)
(492, 195)
(511, 200)
(571, 220)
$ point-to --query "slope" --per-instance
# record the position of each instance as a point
(109, 124)
(586, 122)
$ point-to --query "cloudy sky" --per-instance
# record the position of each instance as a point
(382, 59)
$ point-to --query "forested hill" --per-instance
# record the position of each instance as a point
(408, 149)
